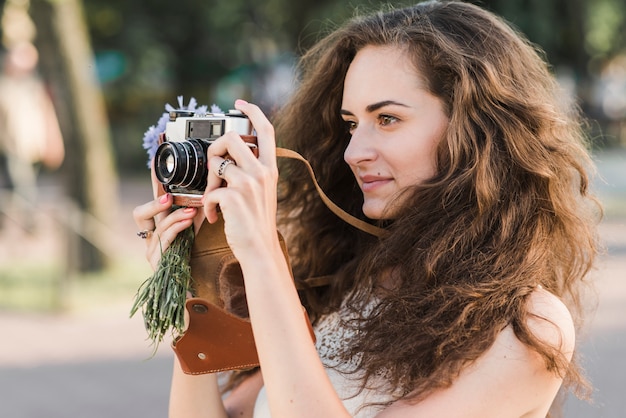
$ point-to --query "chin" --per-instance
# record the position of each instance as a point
(378, 210)
(373, 211)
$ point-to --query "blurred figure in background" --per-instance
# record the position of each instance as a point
(29, 132)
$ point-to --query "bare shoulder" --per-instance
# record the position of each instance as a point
(508, 380)
(551, 322)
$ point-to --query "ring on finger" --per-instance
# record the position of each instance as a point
(222, 168)
(146, 233)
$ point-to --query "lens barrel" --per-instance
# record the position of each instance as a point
(182, 164)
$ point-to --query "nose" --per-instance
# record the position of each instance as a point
(359, 149)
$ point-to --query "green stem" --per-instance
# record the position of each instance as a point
(162, 296)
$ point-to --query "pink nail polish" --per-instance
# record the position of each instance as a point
(164, 198)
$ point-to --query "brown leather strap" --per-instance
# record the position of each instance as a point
(195, 200)
(345, 216)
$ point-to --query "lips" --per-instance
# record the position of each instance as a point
(371, 183)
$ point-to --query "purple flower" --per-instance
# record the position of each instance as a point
(151, 136)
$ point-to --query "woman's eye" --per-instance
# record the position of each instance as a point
(385, 120)
(351, 125)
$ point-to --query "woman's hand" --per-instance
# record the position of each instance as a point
(162, 225)
(294, 376)
(248, 202)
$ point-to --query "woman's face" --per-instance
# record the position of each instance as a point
(395, 125)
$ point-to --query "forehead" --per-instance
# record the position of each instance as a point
(378, 71)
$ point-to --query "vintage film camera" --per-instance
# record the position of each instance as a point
(180, 161)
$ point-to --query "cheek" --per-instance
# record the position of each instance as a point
(417, 165)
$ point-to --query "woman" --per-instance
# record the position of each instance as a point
(443, 125)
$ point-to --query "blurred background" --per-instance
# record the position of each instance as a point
(81, 82)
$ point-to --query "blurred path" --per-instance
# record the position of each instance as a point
(93, 364)
(92, 361)
(604, 347)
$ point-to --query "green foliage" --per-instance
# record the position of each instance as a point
(162, 296)
(43, 286)
(220, 50)
(606, 27)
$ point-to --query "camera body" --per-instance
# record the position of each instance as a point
(180, 161)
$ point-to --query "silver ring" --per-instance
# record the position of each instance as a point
(146, 233)
(222, 167)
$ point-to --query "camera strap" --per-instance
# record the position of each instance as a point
(219, 336)
(345, 216)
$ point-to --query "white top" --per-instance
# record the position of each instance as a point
(330, 336)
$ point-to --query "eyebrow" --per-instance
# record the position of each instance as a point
(375, 106)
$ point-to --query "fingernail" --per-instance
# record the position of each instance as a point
(189, 209)
(164, 198)
(240, 102)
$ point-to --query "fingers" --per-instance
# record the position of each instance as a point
(231, 144)
(165, 233)
(230, 160)
(166, 227)
(145, 214)
(221, 169)
(264, 130)
(211, 202)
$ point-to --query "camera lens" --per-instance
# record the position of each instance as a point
(182, 164)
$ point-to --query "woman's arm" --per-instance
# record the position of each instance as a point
(195, 396)
(199, 396)
(295, 379)
(190, 396)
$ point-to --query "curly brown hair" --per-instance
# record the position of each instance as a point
(507, 210)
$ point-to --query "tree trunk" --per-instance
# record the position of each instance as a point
(68, 66)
